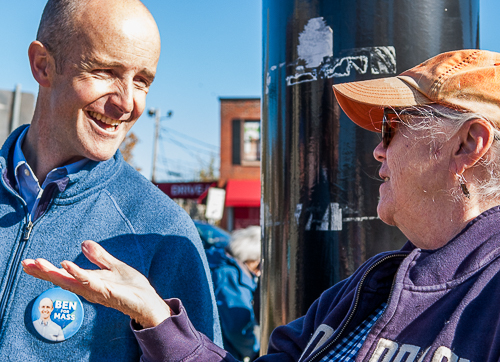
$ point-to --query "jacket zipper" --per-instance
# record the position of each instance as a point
(21, 245)
(11, 274)
(356, 301)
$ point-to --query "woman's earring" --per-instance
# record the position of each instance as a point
(463, 186)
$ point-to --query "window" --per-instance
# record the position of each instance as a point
(246, 142)
(251, 141)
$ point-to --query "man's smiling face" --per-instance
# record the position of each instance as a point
(101, 91)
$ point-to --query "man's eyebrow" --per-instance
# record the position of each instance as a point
(150, 76)
(92, 63)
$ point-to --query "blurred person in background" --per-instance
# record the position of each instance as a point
(235, 270)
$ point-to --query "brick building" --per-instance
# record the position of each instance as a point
(240, 161)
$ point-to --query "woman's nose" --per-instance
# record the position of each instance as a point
(379, 152)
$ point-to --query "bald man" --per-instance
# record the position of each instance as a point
(44, 325)
(63, 181)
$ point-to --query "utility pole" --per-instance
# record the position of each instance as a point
(16, 109)
(157, 114)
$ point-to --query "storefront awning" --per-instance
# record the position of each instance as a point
(243, 193)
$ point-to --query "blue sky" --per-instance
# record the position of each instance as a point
(210, 49)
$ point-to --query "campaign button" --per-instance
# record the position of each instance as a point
(57, 314)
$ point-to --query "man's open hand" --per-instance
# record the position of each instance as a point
(116, 285)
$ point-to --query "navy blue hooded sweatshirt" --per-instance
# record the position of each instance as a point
(443, 305)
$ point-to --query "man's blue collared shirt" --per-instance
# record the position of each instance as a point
(27, 183)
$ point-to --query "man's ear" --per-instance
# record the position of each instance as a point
(474, 140)
(41, 62)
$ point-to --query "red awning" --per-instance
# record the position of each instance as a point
(243, 193)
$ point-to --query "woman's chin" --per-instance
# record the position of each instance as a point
(384, 214)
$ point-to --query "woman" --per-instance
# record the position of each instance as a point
(436, 299)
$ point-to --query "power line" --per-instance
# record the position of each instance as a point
(190, 150)
(192, 139)
(173, 138)
(183, 163)
(178, 169)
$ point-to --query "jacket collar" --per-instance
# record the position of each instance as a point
(6, 167)
(93, 177)
(468, 252)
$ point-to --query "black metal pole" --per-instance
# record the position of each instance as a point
(320, 187)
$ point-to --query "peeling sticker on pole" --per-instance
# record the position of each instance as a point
(373, 60)
(330, 219)
(335, 216)
(360, 218)
(316, 61)
(315, 42)
(326, 219)
(298, 211)
(343, 67)
(383, 60)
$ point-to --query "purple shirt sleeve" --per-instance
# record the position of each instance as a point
(175, 339)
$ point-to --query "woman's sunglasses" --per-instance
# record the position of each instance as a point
(392, 119)
(389, 123)
(388, 127)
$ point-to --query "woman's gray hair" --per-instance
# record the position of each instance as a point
(443, 123)
(245, 244)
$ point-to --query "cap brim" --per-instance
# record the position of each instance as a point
(364, 102)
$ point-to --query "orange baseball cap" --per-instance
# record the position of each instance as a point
(462, 79)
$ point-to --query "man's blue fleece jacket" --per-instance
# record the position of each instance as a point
(111, 203)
